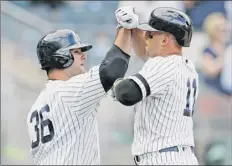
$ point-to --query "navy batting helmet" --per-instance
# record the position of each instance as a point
(53, 50)
(172, 21)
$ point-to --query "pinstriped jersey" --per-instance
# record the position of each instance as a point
(62, 122)
(163, 118)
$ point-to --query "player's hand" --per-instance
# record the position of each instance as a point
(126, 17)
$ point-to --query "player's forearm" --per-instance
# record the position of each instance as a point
(123, 40)
(138, 43)
(115, 64)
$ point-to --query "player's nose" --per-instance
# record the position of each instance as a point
(83, 57)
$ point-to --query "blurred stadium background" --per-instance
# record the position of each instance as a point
(24, 22)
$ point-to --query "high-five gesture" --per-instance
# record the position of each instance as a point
(126, 17)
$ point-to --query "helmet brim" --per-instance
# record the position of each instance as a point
(83, 47)
(146, 27)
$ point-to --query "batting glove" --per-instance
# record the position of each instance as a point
(126, 17)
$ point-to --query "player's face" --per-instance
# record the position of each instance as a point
(79, 61)
(153, 43)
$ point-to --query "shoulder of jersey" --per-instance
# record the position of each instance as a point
(76, 81)
(154, 62)
(191, 65)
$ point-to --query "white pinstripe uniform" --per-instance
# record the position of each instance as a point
(62, 123)
(164, 119)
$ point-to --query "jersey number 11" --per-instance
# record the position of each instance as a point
(189, 111)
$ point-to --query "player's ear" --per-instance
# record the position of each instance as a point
(165, 40)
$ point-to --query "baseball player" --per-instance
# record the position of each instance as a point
(164, 91)
(62, 122)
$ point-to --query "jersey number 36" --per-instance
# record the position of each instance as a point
(43, 123)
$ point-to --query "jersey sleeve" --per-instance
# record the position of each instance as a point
(84, 91)
(155, 76)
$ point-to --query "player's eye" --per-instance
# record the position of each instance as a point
(148, 35)
(77, 52)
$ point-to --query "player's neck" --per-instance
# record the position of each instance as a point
(171, 51)
(58, 75)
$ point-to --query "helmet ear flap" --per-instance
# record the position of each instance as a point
(69, 61)
(61, 62)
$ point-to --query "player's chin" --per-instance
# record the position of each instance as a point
(151, 54)
(83, 70)
(148, 54)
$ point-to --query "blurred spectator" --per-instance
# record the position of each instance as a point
(216, 28)
(226, 76)
(189, 5)
(199, 10)
(228, 7)
(144, 8)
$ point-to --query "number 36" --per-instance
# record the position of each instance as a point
(43, 123)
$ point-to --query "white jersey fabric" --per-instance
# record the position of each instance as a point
(164, 118)
(62, 123)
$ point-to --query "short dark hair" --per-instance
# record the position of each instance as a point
(48, 70)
